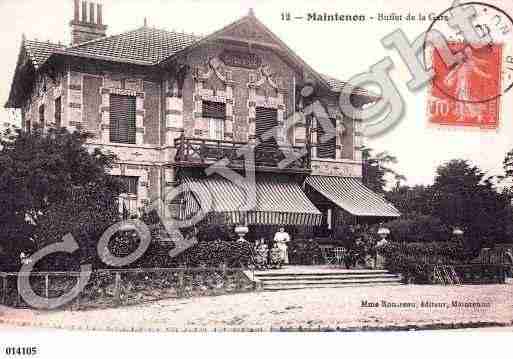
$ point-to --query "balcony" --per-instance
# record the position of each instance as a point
(195, 152)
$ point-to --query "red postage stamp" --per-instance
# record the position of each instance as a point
(468, 93)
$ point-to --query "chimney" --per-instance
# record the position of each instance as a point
(85, 26)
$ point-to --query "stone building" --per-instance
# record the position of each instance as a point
(171, 104)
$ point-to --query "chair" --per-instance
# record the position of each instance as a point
(329, 255)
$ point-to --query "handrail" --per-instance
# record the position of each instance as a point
(180, 140)
(183, 139)
(202, 151)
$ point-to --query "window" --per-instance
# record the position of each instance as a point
(42, 116)
(265, 123)
(27, 126)
(122, 119)
(130, 182)
(326, 141)
(58, 110)
(128, 204)
(215, 113)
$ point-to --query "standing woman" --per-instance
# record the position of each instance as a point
(282, 238)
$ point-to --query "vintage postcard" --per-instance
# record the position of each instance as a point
(214, 166)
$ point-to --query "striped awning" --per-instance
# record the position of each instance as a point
(352, 196)
(279, 200)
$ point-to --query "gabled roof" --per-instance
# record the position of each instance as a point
(144, 45)
(268, 34)
(337, 86)
(39, 52)
(149, 46)
(32, 55)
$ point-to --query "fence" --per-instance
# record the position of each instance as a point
(128, 286)
(483, 273)
(486, 257)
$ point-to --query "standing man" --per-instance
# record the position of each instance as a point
(282, 238)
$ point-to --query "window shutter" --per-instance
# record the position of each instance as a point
(58, 109)
(131, 183)
(326, 149)
(266, 120)
(211, 109)
(122, 119)
(42, 116)
(216, 129)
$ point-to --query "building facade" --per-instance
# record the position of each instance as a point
(171, 105)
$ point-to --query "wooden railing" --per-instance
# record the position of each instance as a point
(196, 151)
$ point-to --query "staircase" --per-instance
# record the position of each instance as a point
(288, 278)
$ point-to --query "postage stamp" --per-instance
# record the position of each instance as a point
(467, 94)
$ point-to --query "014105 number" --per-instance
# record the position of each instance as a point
(21, 351)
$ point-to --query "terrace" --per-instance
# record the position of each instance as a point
(197, 152)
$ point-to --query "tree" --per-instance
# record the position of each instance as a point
(507, 164)
(462, 196)
(375, 169)
(411, 201)
(42, 177)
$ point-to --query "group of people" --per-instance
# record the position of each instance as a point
(277, 255)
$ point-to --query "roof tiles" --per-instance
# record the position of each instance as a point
(143, 45)
(39, 51)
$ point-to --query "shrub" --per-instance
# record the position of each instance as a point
(304, 251)
(207, 254)
(90, 210)
(216, 253)
(418, 229)
(436, 252)
(415, 260)
(215, 232)
(124, 243)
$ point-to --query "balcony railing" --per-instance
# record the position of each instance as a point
(198, 152)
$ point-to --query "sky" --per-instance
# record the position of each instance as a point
(338, 49)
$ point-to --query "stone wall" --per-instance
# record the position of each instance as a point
(44, 93)
(87, 107)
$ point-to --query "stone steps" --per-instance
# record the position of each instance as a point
(314, 277)
(324, 279)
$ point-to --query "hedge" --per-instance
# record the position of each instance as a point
(203, 254)
(415, 260)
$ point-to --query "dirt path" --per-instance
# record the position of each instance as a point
(331, 307)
